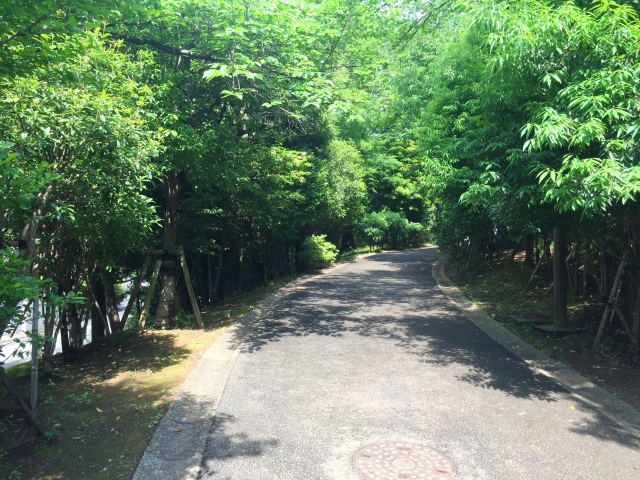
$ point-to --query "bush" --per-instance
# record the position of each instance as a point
(464, 236)
(316, 252)
(185, 320)
(388, 228)
(370, 230)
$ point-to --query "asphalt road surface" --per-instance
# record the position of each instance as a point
(373, 351)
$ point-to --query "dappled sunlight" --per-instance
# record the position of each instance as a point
(408, 310)
(223, 444)
(595, 427)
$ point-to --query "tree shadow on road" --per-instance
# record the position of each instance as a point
(224, 443)
(393, 296)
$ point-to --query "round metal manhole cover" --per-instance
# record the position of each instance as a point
(402, 460)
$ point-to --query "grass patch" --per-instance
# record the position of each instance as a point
(101, 412)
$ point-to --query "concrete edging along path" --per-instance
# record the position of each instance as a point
(578, 386)
(176, 449)
(386, 359)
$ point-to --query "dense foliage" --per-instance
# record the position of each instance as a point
(532, 109)
(264, 137)
(239, 131)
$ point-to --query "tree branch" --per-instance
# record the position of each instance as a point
(26, 29)
(167, 48)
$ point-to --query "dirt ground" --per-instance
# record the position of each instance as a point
(499, 290)
(101, 412)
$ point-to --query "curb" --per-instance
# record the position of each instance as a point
(613, 408)
(177, 447)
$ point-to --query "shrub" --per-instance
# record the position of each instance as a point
(388, 228)
(370, 230)
(316, 252)
(185, 320)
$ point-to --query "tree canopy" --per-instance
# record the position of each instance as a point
(265, 136)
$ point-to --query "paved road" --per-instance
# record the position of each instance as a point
(373, 351)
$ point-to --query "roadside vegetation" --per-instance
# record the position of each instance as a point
(100, 413)
(183, 153)
(499, 290)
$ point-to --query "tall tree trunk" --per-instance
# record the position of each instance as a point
(547, 250)
(634, 307)
(97, 327)
(265, 269)
(528, 249)
(111, 306)
(559, 278)
(48, 313)
(209, 280)
(240, 267)
(64, 335)
(29, 236)
(216, 283)
(165, 314)
(75, 333)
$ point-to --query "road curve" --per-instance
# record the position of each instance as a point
(373, 351)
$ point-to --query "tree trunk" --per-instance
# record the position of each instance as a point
(559, 278)
(28, 238)
(97, 328)
(64, 335)
(165, 313)
(585, 273)
(111, 306)
(18, 399)
(265, 269)
(209, 280)
(547, 250)
(75, 333)
(48, 313)
(216, 283)
(635, 316)
(528, 249)
(240, 268)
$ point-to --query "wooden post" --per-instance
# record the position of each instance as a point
(18, 399)
(559, 279)
(33, 392)
(136, 289)
(105, 323)
(147, 300)
(535, 270)
(612, 296)
(192, 296)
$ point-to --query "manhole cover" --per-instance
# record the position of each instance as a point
(403, 460)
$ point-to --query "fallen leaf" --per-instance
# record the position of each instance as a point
(178, 430)
(117, 418)
(98, 410)
(572, 407)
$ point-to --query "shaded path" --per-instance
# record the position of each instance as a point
(374, 351)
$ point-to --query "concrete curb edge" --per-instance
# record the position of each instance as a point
(613, 408)
(194, 408)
